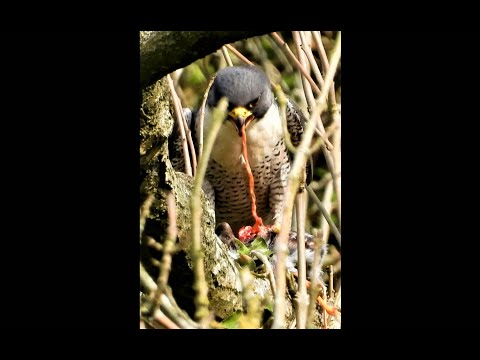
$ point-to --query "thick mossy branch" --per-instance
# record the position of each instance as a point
(158, 178)
(162, 52)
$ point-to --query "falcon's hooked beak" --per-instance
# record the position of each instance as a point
(240, 117)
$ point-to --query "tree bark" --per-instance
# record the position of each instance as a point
(162, 52)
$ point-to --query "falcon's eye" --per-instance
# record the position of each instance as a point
(253, 103)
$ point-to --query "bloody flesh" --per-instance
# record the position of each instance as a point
(247, 232)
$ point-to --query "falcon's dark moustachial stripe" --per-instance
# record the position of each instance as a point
(251, 104)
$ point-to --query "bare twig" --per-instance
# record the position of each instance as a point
(226, 56)
(301, 296)
(325, 214)
(200, 285)
(330, 285)
(169, 243)
(337, 160)
(261, 53)
(327, 204)
(160, 297)
(337, 297)
(164, 320)
(145, 211)
(325, 317)
(178, 90)
(282, 103)
(251, 302)
(281, 248)
(181, 127)
(153, 243)
(239, 55)
(322, 141)
(202, 117)
(244, 59)
(313, 64)
(324, 61)
(269, 269)
(146, 281)
(311, 103)
(143, 115)
(307, 88)
(280, 55)
(336, 117)
(319, 185)
(297, 64)
(314, 285)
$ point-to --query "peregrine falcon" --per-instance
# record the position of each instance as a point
(252, 105)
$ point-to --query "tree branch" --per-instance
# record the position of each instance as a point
(162, 52)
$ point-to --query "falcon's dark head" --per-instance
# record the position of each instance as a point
(248, 91)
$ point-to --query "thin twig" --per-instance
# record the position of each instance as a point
(173, 311)
(178, 90)
(200, 285)
(201, 118)
(337, 297)
(243, 58)
(301, 296)
(330, 285)
(146, 281)
(336, 155)
(280, 55)
(261, 53)
(311, 103)
(326, 148)
(282, 103)
(281, 248)
(324, 61)
(164, 320)
(321, 143)
(145, 211)
(315, 279)
(320, 130)
(143, 115)
(251, 302)
(335, 110)
(297, 64)
(325, 317)
(268, 268)
(319, 185)
(169, 243)
(181, 127)
(327, 204)
(153, 243)
(308, 51)
(307, 88)
(239, 55)
(226, 56)
(325, 214)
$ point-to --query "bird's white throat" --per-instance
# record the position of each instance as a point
(262, 136)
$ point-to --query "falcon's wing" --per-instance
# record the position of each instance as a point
(295, 121)
(295, 126)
